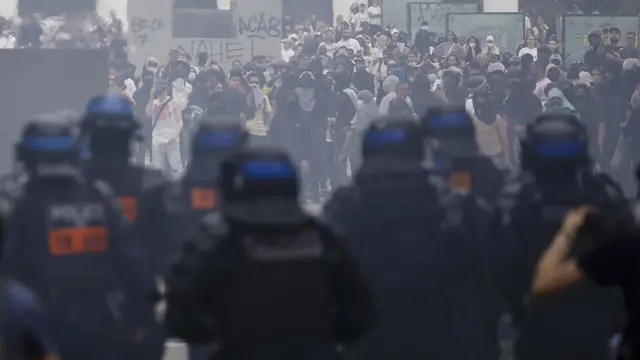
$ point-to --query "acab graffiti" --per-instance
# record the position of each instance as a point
(260, 24)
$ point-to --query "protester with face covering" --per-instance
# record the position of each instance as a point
(472, 49)
(490, 47)
(402, 47)
(451, 79)
(497, 80)
(557, 102)
(284, 123)
(390, 85)
(424, 39)
(553, 75)
(311, 133)
(362, 79)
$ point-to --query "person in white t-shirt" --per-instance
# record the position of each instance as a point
(287, 51)
(166, 117)
(375, 18)
(329, 43)
(361, 17)
(349, 42)
(531, 48)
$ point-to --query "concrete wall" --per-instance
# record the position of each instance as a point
(254, 29)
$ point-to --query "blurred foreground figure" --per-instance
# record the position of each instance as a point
(556, 177)
(262, 278)
(24, 328)
(451, 137)
(188, 201)
(110, 127)
(612, 259)
(407, 227)
(69, 242)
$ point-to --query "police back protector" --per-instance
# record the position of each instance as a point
(67, 241)
(289, 271)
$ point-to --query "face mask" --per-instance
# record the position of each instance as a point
(400, 45)
(472, 45)
(425, 28)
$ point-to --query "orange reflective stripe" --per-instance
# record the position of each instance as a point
(460, 180)
(129, 207)
(75, 241)
(204, 199)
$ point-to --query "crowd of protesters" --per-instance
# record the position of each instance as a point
(333, 79)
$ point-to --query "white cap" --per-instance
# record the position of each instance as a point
(489, 38)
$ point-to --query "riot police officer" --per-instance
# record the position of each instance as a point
(109, 126)
(74, 231)
(451, 139)
(196, 195)
(556, 177)
(24, 328)
(263, 278)
(404, 223)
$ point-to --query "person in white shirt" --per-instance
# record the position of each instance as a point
(287, 51)
(390, 85)
(348, 42)
(531, 48)
(329, 43)
(166, 116)
(375, 18)
(361, 17)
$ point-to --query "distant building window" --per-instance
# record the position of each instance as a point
(203, 19)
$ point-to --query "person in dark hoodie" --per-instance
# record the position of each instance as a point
(363, 79)
(284, 123)
(311, 147)
(424, 39)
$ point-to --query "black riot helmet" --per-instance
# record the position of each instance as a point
(49, 146)
(449, 130)
(393, 143)
(555, 144)
(260, 186)
(109, 124)
(217, 136)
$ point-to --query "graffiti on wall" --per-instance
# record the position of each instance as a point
(254, 29)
